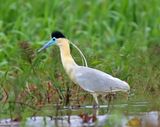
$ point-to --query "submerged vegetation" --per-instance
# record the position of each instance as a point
(121, 38)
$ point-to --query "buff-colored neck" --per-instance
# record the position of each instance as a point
(66, 58)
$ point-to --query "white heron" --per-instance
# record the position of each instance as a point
(92, 80)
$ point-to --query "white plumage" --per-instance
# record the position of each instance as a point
(92, 80)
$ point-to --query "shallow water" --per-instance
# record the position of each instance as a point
(145, 119)
(96, 117)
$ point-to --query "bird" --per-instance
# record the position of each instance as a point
(94, 81)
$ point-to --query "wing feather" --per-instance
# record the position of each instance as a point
(94, 80)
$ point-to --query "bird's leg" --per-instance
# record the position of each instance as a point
(95, 111)
(96, 99)
(126, 95)
(111, 96)
(109, 101)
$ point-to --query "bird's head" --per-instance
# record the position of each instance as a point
(56, 38)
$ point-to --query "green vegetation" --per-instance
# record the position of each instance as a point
(117, 37)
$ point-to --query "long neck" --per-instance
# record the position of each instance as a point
(66, 58)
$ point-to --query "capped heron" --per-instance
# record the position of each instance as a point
(92, 80)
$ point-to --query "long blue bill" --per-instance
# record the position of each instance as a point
(48, 44)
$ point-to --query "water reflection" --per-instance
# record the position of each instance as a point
(150, 119)
(94, 117)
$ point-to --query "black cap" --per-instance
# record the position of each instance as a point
(57, 34)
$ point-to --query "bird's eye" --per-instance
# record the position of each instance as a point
(54, 38)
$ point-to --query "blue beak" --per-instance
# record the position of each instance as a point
(48, 44)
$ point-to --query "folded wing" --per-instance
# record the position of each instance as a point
(94, 80)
